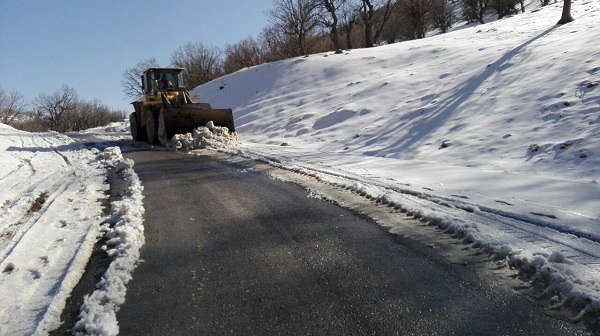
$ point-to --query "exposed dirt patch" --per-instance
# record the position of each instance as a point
(38, 203)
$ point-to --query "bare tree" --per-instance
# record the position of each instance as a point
(297, 20)
(374, 15)
(475, 9)
(417, 17)
(201, 63)
(566, 13)
(11, 106)
(442, 15)
(367, 13)
(248, 52)
(329, 19)
(131, 82)
(349, 18)
(57, 109)
(276, 44)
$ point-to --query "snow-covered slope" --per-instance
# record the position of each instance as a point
(501, 120)
(488, 92)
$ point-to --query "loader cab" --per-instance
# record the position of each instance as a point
(152, 76)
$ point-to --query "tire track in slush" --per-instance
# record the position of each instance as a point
(24, 219)
(15, 232)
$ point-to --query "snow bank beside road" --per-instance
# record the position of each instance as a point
(125, 236)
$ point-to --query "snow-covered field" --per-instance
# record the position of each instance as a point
(490, 132)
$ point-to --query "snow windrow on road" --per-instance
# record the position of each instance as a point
(125, 236)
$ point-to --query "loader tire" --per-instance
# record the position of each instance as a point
(138, 132)
(152, 128)
(162, 130)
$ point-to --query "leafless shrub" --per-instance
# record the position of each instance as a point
(248, 52)
(131, 82)
(295, 22)
(11, 106)
(201, 63)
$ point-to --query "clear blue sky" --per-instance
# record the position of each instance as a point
(88, 44)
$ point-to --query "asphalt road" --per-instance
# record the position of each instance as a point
(232, 251)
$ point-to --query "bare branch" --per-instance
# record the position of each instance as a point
(11, 106)
(131, 82)
(201, 63)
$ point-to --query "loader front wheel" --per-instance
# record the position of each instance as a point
(162, 129)
(151, 129)
(138, 133)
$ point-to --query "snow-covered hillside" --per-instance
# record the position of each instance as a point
(501, 120)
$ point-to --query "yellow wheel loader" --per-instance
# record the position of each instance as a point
(166, 108)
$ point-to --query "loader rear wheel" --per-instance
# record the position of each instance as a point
(138, 133)
(151, 129)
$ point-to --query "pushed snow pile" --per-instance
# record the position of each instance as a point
(209, 136)
(125, 236)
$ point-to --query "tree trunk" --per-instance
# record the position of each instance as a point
(349, 37)
(335, 37)
(367, 13)
(522, 6)
(566, 13)
(330, 7)
(369, 35)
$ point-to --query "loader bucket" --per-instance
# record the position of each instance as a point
(185, 120)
